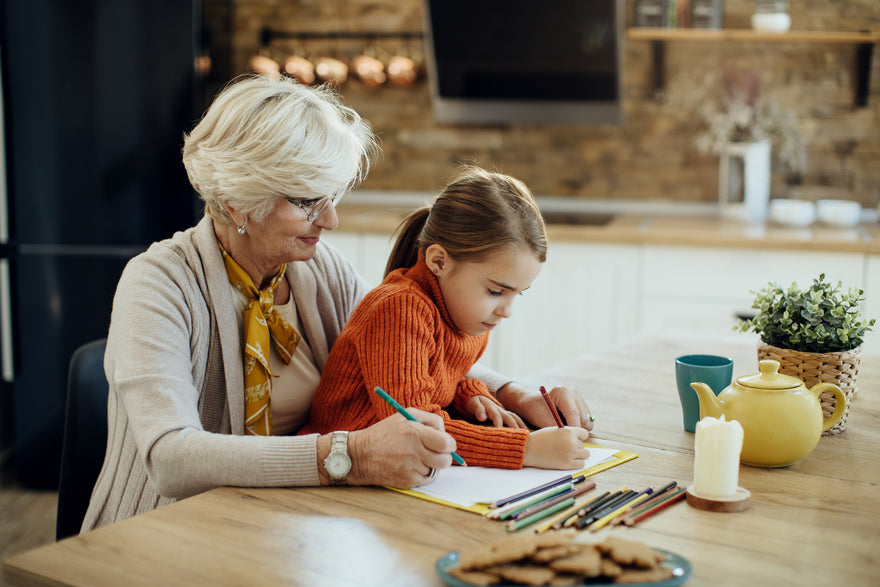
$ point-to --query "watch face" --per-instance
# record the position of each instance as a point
(337, 464)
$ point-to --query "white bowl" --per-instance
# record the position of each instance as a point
(839, 212)
(773, 22)
(792, 212)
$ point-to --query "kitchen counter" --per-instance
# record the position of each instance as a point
(662, 267)
(698, 225)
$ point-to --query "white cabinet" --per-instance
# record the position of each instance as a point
(367, 252)
(700, 290)
(581, 301)
(589, 296)
(872, 303)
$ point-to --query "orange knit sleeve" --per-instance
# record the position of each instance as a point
(487, 446)
(468, 388)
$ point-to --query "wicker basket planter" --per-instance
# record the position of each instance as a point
(840, 368)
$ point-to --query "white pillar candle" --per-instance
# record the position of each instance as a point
(717, 447)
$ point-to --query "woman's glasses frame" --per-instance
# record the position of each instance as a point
(312, 207)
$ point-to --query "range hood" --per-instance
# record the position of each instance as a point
(512, 61)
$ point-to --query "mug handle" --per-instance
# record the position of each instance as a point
(839, 406)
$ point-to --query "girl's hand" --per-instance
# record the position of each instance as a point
(398, 452)
(529, 404)
(482, 408)
(556, 448)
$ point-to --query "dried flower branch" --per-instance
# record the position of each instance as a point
(733, 111)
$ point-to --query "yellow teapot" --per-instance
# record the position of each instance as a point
(781, 419)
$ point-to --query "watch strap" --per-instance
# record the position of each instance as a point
(338, 446)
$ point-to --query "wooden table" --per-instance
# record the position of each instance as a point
(814, 523)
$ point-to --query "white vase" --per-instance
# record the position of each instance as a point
(744, 180)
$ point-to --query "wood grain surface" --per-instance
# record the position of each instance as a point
(813, 523)
(670, 229)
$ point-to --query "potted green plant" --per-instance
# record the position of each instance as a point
(815, 333)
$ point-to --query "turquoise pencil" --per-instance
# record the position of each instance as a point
(384, 395)
(514, 525)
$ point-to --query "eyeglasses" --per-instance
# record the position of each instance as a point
(312, 207)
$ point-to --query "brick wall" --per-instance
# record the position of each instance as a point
(651, 156)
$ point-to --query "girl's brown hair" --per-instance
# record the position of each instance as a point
(478, 213)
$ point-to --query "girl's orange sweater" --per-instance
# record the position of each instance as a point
(402, 339)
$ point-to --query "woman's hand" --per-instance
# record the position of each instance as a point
(398, 452)
(483, 408)
(529, 404)
(556, 448)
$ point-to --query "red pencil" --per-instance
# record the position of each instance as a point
(551, 408)
(677, 496)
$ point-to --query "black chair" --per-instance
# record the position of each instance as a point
(85, 436)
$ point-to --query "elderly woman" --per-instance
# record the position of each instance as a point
(210, 324)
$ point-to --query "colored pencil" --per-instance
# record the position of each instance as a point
(509, 508)
(573, 492)
(576, 487)
(676, 496)
(555, 521)
(384, 395)
(573, 518)
(594, 507)
(530, 492)
(656, 497)
(513, 507)
(514, 525)
(603, 500)
(609, 503)
(603, 521)
(647, 505)
(590, 517)
(551, 407)
(668, 487)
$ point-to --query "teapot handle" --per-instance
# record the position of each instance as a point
(839, 406)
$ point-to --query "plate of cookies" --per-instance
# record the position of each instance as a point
(556, 558)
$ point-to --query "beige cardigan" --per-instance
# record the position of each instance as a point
(173, 362)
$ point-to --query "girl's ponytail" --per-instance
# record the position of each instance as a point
(406, 250)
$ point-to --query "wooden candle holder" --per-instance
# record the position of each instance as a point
(736, 503)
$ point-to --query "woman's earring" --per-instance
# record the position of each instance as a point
(240, 229)
(436, 271)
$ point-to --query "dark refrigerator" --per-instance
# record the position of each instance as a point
(96, 97)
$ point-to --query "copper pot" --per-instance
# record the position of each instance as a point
(402, 71)
(369, 70)
(265, 66)
(300, 68)
(329, 69)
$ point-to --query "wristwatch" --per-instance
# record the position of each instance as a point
(338, 463)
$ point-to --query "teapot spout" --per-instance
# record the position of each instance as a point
(710, 405)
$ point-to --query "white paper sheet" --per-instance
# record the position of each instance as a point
(466, 486)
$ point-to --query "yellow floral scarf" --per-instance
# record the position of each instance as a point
(260, 319)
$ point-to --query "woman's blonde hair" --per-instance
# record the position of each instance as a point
(478, 213)
(264, 138)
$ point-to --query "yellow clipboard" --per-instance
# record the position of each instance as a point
(619, 457)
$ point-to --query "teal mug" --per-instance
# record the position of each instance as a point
(713, 370)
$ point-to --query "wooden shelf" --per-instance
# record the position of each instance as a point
(659, 36)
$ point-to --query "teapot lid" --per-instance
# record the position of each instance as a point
(769, 377)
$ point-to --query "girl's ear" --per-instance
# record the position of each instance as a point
(438, 260)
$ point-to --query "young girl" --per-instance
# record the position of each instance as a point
(451, 278)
